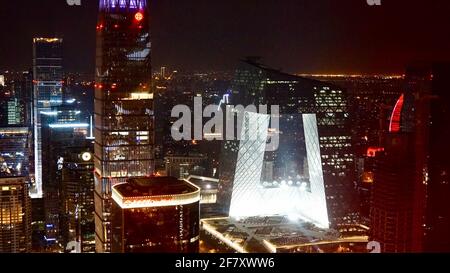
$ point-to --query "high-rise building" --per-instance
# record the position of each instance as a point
(123, 104)
(393, 195)
(284, 181)
(77, 194)
(48, 93)
(65, 128)
(398, 200)
(256, 84)
(438, 190)
(156, 215)
(14, 152)
(15, 216)
(182, 166)
(163, 72)
(15, 100)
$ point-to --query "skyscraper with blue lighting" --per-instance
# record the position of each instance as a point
(48, 93)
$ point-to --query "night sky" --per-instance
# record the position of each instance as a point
(299, 36)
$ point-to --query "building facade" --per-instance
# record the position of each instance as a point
(156, 215)
(65, 127)
(14, 151)
(123, 104)
(47, 93)
(182, 166)
(256, 84)
(438, 190)
(77, 193)
(15, 216)
(401, 169)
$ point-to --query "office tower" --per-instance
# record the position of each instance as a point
(398, 188)
(209, 188)
(65, 128)
(15, 216)
(14, 151)
(48, 92)
(155, 215)
(123, 104)
(77, 195)
(397, 213)
(15, 100)
(257, 84)
(182, 166)
(393, 195)
(438, 214)
(287, 180)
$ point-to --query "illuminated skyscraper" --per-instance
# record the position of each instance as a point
(48, 92)
(65, 128)
(123, 104)
(15, 100)
(77, 194)
(15, 216)
(14, 152)
(155, 215)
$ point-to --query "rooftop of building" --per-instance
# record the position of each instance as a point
(154, 186)
(256, 62)
(261, 234)
(123, 4)
(11, 180)
(205, 183)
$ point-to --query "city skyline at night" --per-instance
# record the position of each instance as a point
(224, 127)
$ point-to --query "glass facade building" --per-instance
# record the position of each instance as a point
(77, 192)
(123, 104)
(66, 128)
(15, 99)
(48, 93)
(287, 181)
(14, 152)
(156, 215)
(256, 84)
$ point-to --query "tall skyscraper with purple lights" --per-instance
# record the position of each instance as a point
(123, 104)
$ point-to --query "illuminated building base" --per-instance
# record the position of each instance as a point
(250, 198)
(277, 234)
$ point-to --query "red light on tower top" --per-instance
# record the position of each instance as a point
(139, 16)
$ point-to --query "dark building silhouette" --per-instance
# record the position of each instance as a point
(393, 195)
(438, 190)
(77, 196)
(409, 211)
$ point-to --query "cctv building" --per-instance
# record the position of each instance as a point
(310, 175)
(123, 104)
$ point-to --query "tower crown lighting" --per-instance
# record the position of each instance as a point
(109, 5)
